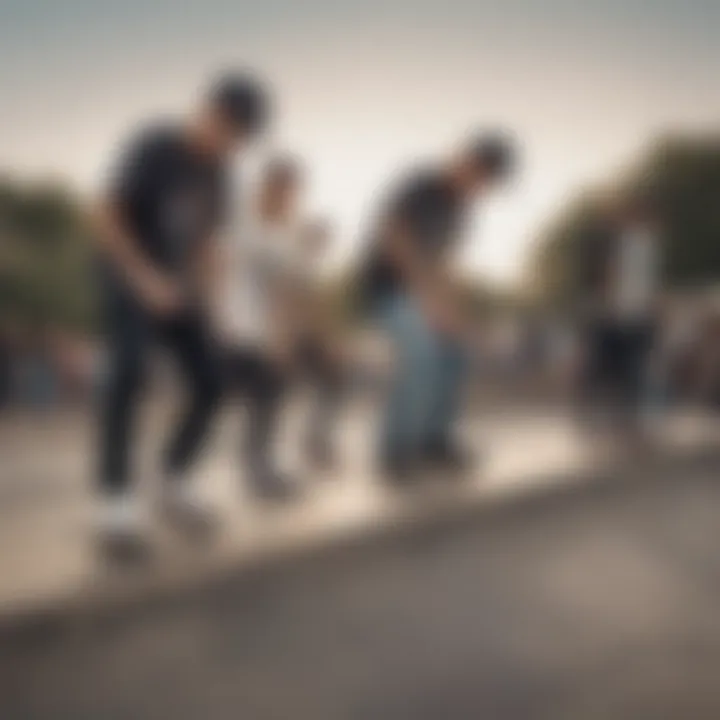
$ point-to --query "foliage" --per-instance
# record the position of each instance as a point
(44, 257)
(683, 174)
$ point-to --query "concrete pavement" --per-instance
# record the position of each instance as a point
(47, 558)
(597, 601)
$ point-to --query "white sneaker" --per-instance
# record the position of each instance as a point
(120, 515)
(122, 528)
(186, 508)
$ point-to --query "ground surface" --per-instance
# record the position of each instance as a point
(594, 602)
(47, 512)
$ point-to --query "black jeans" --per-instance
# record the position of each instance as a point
(260, 383)
(132, 333)
(617, 362)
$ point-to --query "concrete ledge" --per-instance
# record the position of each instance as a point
(412, 514)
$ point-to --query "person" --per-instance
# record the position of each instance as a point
(5, 369)
(319, 354)
(155, 227)
(407, 287)
(620, 281)
(260, 260)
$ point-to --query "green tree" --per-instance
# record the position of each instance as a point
(683, 174)
(45, 277)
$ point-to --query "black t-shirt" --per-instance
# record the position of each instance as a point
(431, 213)
(170, 195)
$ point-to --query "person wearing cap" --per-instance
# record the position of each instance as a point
(407, 287)
(155, 227)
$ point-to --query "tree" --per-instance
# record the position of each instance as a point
(45, 277)
(683, 174)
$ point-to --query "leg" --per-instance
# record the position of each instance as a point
(262, 384)
(122, 518)
(451, 373)
(189, 341)
(600, 380)
(411, 394)
(129, 336)
(638, 346)
(264, 401)
(588, 377)
(325, 375)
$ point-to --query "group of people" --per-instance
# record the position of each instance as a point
(225, 281)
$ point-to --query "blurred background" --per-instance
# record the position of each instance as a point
(601, 96)
(605, 98)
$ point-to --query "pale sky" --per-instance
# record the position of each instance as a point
(367, 86)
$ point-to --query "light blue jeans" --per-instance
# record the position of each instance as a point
(424, 397)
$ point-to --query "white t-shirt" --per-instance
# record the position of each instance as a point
(636, 279)
(259, 258)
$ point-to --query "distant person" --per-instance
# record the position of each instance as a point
(704, 358)
(620, 277)
(408, 289)
(319, 352)
(156, 229)
(5, 370)
(255, 318)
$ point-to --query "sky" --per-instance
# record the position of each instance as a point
(367, 87)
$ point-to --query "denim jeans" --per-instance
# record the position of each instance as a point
(424, 397)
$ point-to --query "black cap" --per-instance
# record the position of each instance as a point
(242, 100)
(642, 201)
(494, 153)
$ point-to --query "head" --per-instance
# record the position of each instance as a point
(638, 209)
(280, 186)
(234, 111)
(485, 162)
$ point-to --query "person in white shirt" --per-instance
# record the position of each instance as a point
(260, 262)
(318, 348)
(624, 265)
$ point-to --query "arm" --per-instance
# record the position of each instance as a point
(135, 182)
(159, 293)
(209, 261)
(430, 283)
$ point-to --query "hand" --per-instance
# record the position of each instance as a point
(161, 295)
(443, 316)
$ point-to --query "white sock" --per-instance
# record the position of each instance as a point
(120, 513)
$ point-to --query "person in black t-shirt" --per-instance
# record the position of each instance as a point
(155, 228)
(406, 287)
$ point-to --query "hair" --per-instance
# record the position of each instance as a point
(494, 153)
(242, 101)
(642, 202)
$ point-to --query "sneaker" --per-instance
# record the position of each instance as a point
(445, 455)
(398, 470)
(272, 486)
(122, 528)
(187, 509)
